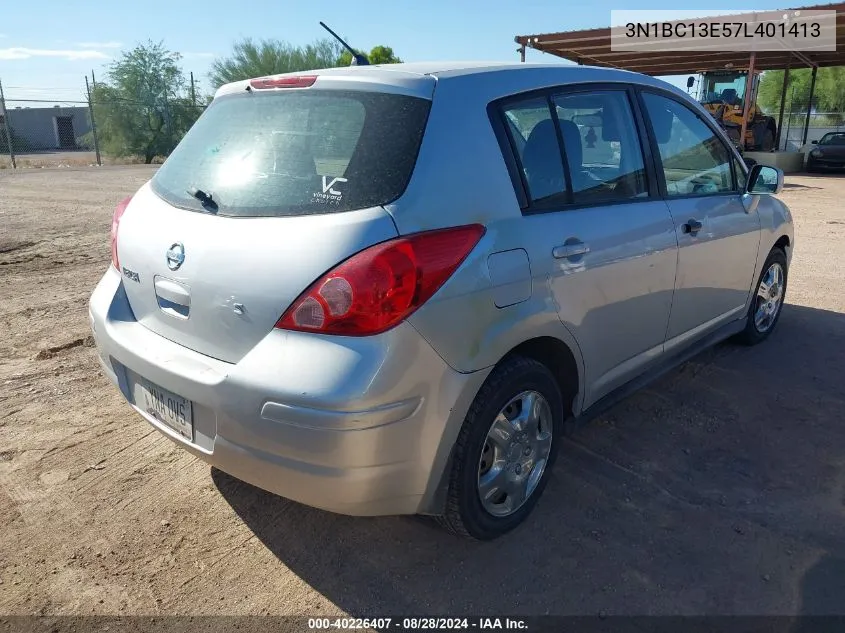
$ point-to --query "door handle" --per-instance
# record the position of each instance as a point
(692, 227)
(570, 250)
(172, 291)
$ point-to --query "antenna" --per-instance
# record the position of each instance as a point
(357, 58)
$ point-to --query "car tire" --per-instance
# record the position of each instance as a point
(466, 514)
(768, 143)
(758, 329)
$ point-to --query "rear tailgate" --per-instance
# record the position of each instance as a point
(238, 275)
(269, 190)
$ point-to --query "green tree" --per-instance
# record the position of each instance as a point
(828, 96)
(378, 55)
(143, 108)
(272, 57)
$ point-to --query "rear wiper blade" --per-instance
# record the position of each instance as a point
(206, 199)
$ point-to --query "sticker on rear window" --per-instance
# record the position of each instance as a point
(331, 193)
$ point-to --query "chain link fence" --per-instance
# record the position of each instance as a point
(800, 128)
(101, 128)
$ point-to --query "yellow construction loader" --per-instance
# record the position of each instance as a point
(722, 93)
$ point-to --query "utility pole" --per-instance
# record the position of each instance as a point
(789, 118)
(193, 92)
(746, 101)
(93, 122)
(6, 124)
(783, 102)
(809, 104)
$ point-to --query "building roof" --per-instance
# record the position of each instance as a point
(593, 47)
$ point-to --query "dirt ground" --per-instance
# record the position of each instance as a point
(718, 490)
(63, 159)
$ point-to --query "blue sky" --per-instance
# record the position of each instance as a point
(47, 47)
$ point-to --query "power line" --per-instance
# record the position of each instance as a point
(40, 88)
(47, 100)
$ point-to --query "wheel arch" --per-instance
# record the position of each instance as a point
(562, 357)
(558, 357)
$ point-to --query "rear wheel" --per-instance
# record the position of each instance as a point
(767, 302)
(505, 450)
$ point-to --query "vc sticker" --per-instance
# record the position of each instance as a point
(330, 195)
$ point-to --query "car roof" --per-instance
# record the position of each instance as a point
(418, 78)
(456, 68)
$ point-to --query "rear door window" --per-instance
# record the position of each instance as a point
(602, 147)
(296, 153)
(533, 134)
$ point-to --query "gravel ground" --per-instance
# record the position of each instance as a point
(718, 490)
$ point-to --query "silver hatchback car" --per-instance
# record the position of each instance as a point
(389, 290)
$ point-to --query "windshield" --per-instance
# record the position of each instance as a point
(728, 89)
(295, 153)
(833, 139)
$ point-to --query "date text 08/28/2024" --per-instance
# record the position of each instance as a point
(417, 623)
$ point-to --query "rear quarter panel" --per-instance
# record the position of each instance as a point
(461, 178)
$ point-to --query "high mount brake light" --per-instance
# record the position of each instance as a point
(375, 289)
(298, 81)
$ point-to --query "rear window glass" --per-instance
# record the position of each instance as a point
(296, 153)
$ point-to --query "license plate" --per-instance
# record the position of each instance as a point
(165, 406)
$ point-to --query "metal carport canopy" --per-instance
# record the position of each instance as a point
(593, 47)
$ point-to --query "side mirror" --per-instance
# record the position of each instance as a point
(690, 82)
(816, 142)
(763, 179)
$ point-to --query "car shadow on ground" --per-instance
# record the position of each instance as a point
(795, 185)
(828, 173)
(719, 489)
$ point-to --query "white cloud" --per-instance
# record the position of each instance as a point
(26, 53)
(110, 44)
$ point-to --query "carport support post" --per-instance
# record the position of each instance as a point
(93, 123)
(809, 104)
(782, 103)
(6, 125)
(746, 102)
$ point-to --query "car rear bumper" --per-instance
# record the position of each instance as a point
(360, 426)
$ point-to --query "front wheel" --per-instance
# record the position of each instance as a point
(505, 450)
(767, 302)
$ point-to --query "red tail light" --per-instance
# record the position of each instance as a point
(299, 81)
(377, 288)
(115, 221)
